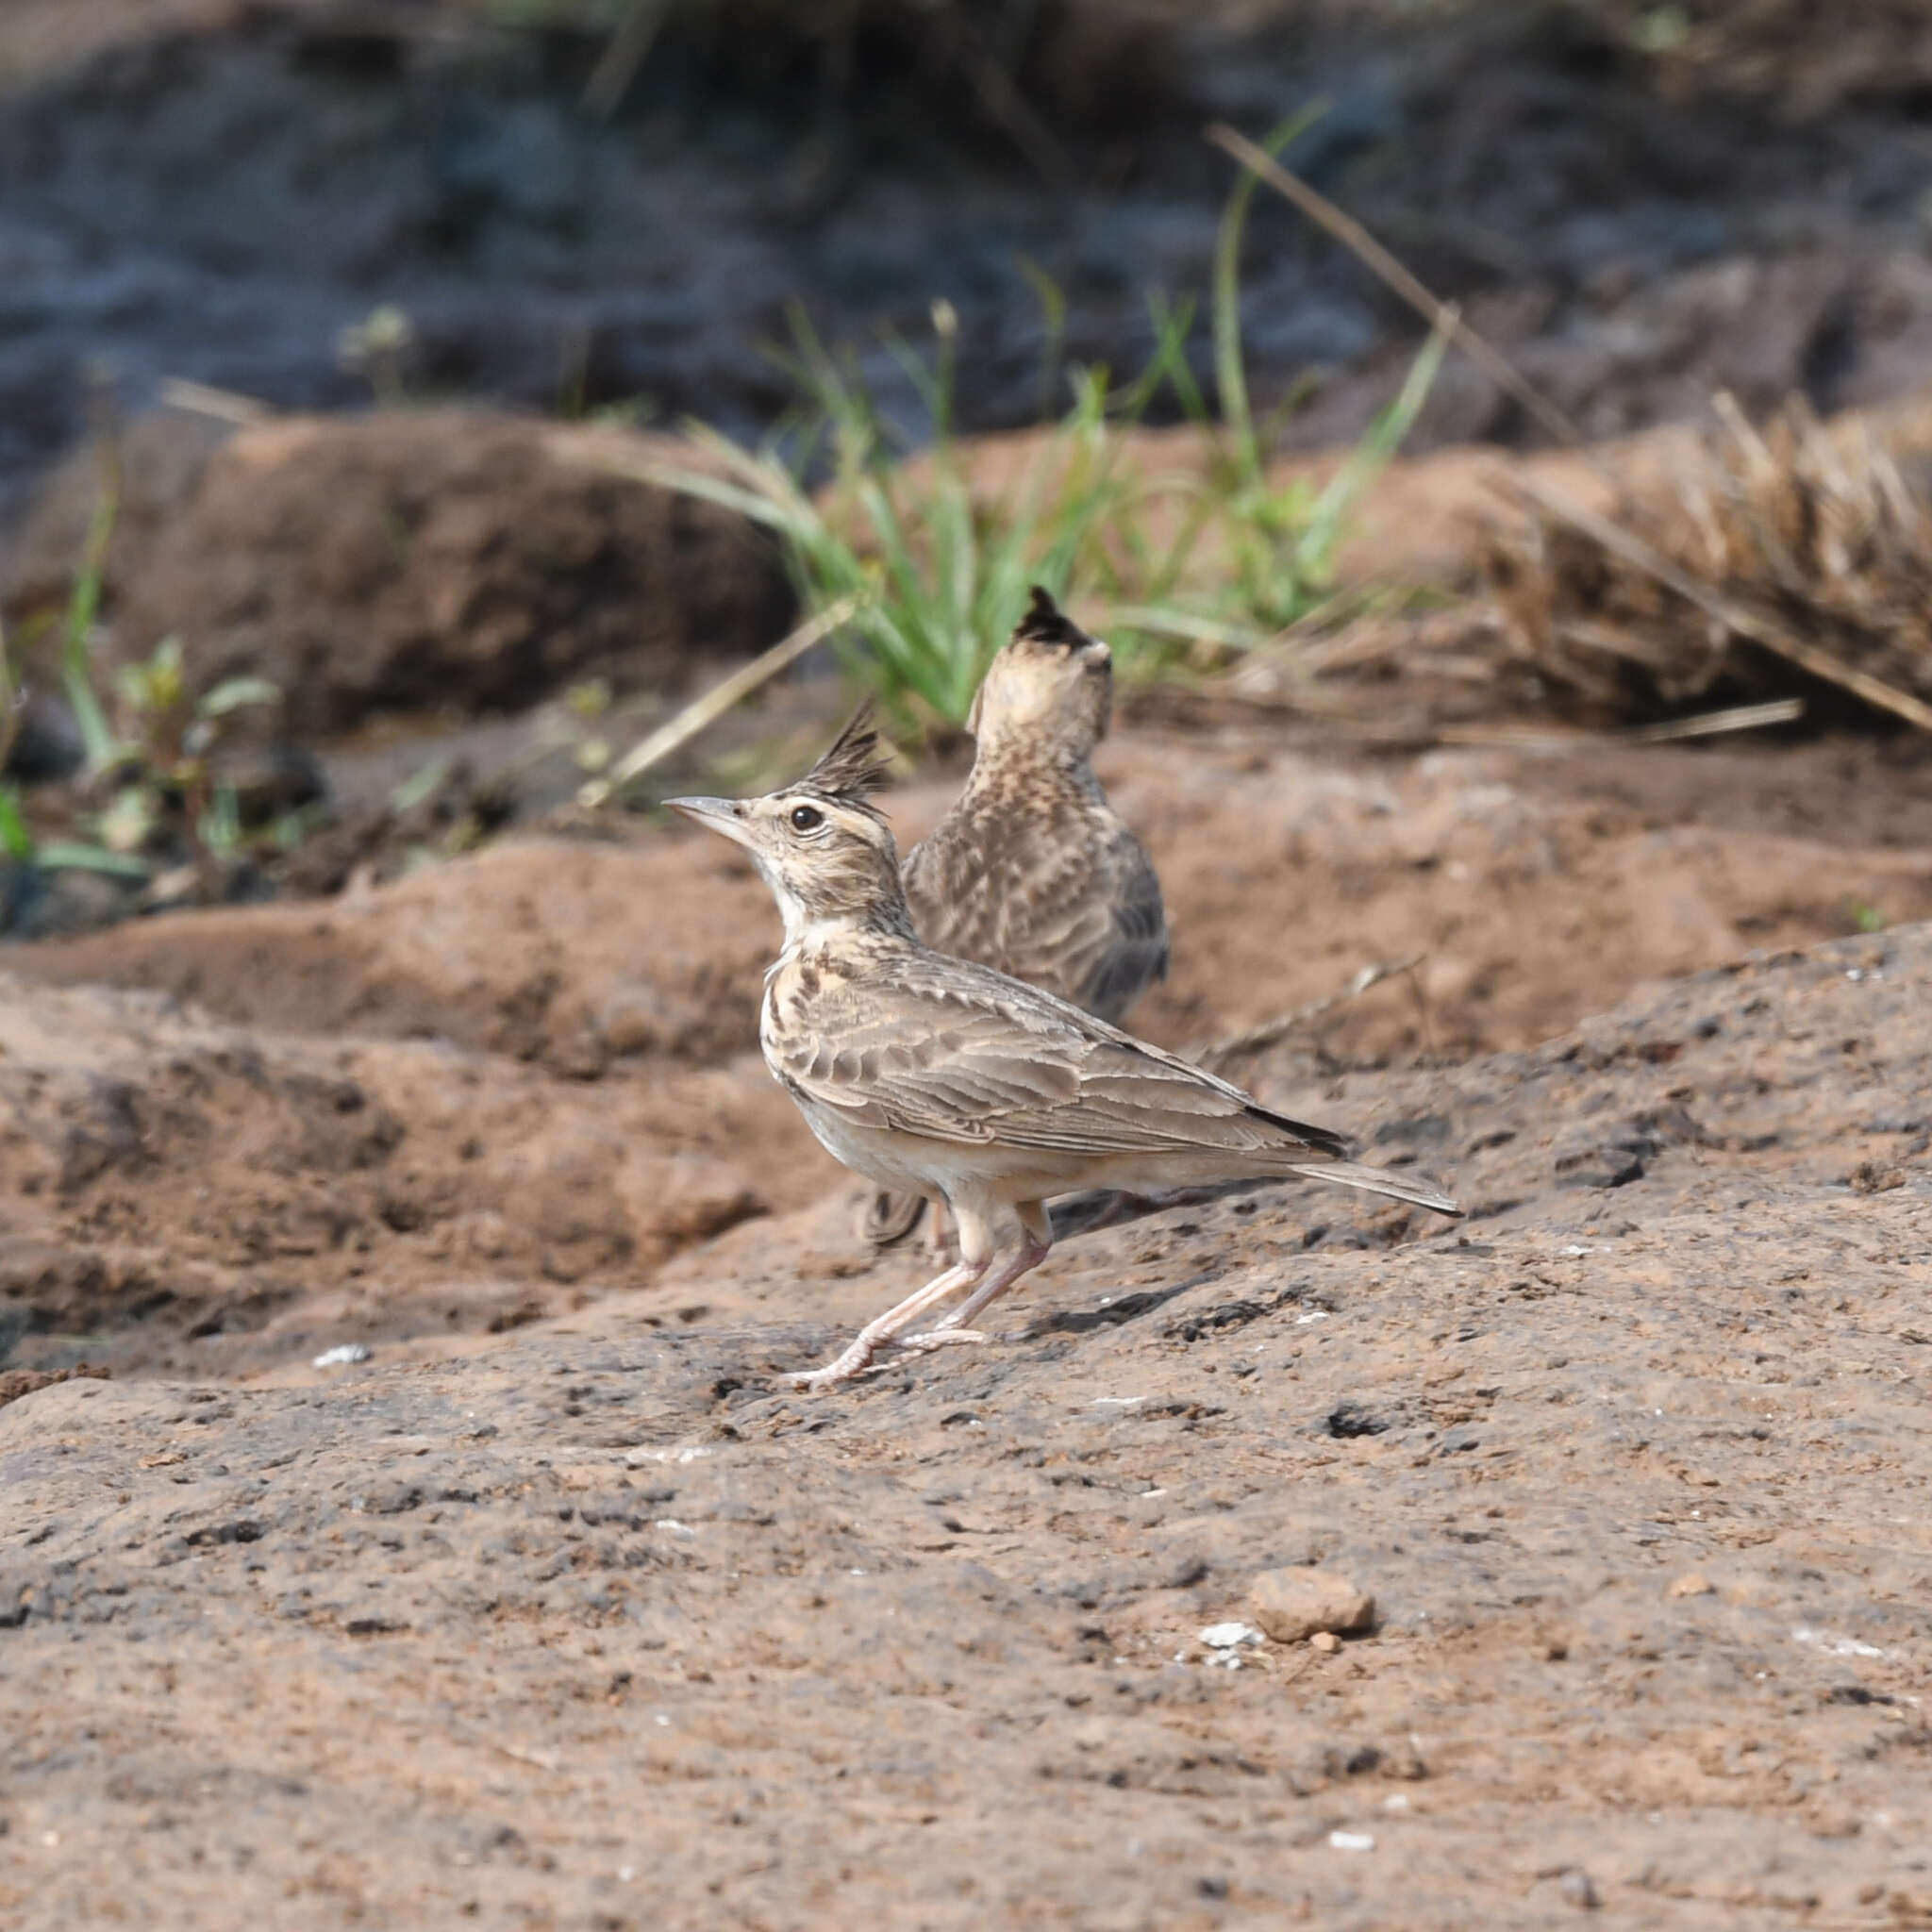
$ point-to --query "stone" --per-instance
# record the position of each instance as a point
(1692, 1583)
(1293, 1605)
(1577, 1887)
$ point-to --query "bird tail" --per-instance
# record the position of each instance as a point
(889, 1217)
(1376, 1180)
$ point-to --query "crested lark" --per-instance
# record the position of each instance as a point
(1033, 872)
(944, 1077)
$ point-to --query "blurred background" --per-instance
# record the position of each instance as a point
(406, 408)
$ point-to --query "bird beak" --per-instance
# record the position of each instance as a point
(719, 814)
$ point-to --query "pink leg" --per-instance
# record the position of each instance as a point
(878, 1332)
(1033, 1251)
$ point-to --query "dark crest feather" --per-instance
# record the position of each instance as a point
(1046, 623)
(851, 768)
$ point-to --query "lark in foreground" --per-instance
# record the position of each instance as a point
(944, 1079)
(1033, 872)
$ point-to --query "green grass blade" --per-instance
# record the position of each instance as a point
(76, 626)
(1053, 309)
(1230, 369)
(1371, 455)
(62, 854)
(16, 839)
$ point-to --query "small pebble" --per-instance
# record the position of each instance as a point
(1352, 1841)
(1325, 1642)
(1227, 1636)
(342, 1354)
(1576, 1887)
(1692, 1583)
(1291, 1605)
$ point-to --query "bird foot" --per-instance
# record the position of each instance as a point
(937, 1338)
(859, 1359)
(845, 1368)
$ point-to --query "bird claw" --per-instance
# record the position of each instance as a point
(848, 1367)
(854, 1364)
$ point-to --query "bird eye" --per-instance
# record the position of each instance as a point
(806, 817)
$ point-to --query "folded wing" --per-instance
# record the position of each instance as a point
(950, 1052)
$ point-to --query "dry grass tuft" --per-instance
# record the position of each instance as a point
(1777, 563)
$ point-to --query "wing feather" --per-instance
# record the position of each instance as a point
(951, 1052)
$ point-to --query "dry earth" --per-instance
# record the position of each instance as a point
(503, 1088)
(598, 1628)
(589, 1624)
(555, 1611)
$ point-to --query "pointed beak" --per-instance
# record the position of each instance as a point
(719, 814)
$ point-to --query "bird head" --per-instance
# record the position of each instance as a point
(820, 843)
(1051, 683)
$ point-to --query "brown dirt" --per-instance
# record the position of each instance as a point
(448, 560)
(556, 1613)
(520, 1081)
(1542, 887)
(594, 1628)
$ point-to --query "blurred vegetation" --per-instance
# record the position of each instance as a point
(149, 794)
(1190, 564)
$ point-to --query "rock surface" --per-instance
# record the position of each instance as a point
(596, 1624)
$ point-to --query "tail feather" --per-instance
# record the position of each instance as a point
(1378, 1180)
(889, 1217)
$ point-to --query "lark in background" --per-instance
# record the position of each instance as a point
(1033, 872)
(941, 1077)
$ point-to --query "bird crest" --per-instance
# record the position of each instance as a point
(852, 766)
(1045, 623)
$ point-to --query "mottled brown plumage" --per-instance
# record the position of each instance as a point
(1033, 872)
(944, 1079)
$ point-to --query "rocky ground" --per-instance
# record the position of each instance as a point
(597, 1626)
(556, 1611)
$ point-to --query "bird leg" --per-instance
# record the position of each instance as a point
(940, 1242)
(879, 1331)
(1034, 1248)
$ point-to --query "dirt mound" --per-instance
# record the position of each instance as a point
(444, 558)
(177, 1192)
(575, 955)
(1535, 887)
(596, 1626)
